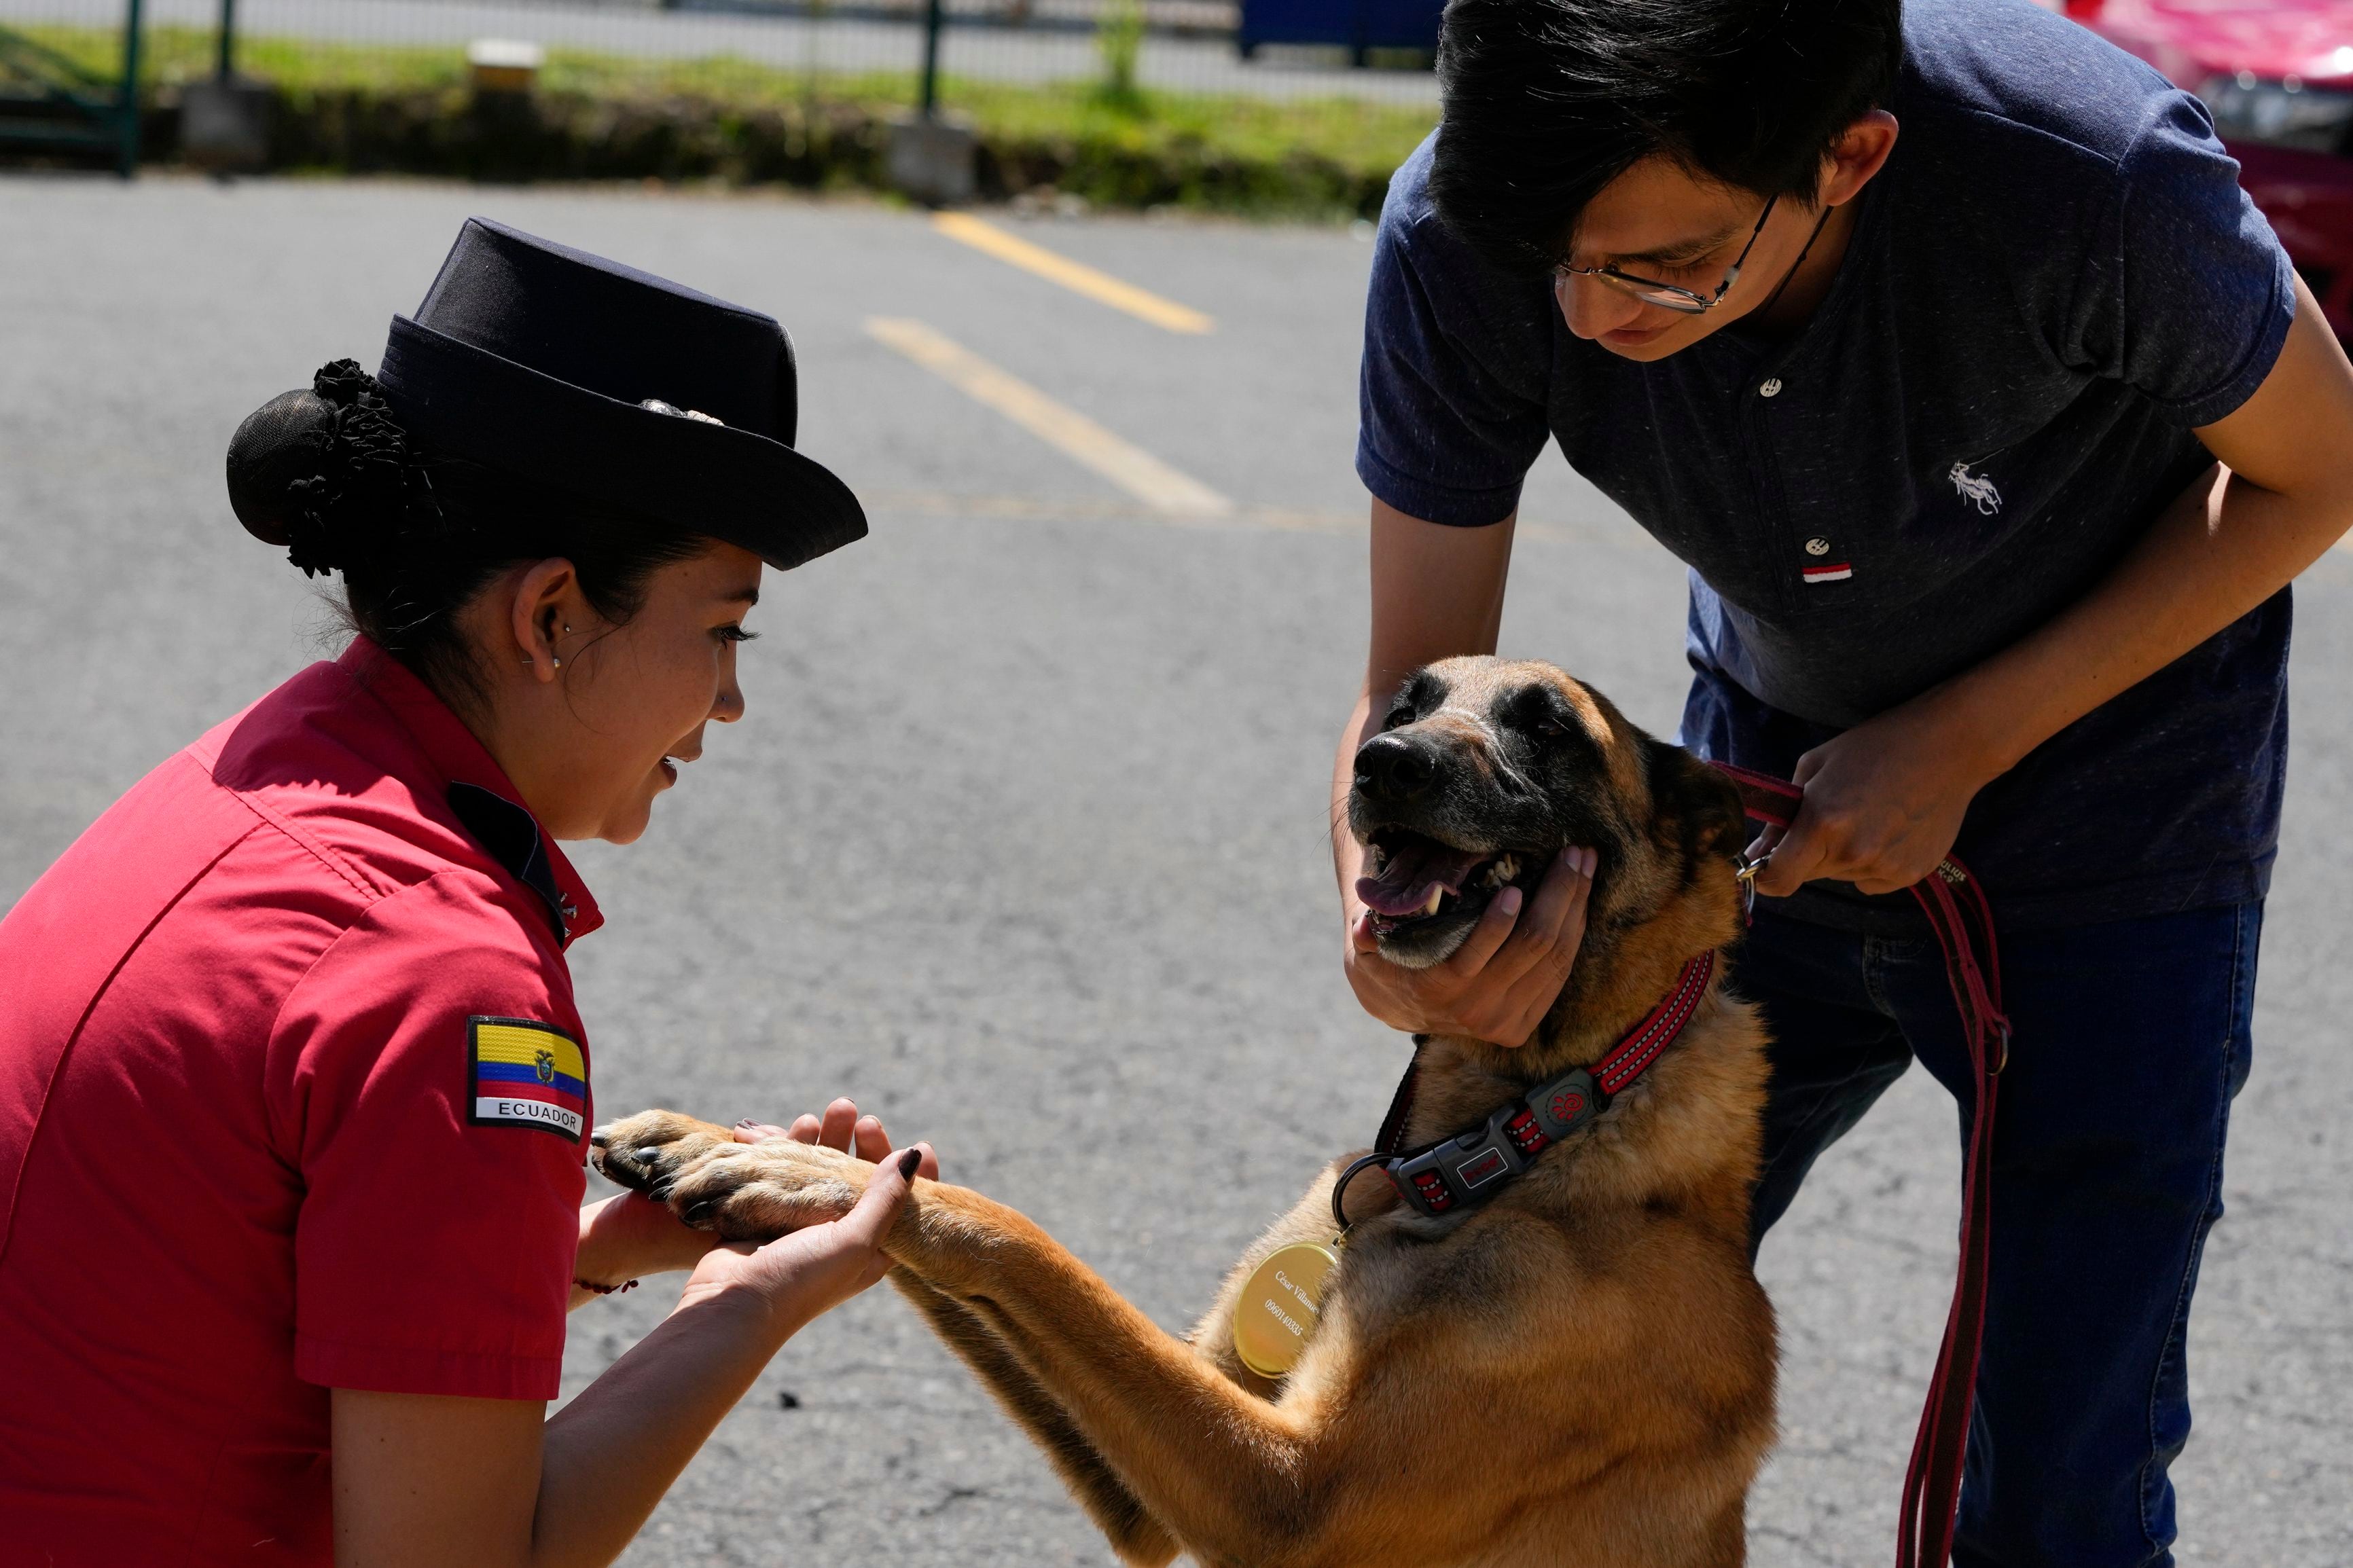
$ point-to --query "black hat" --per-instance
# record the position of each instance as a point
(575, 372)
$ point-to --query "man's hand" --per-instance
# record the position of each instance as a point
(1883, 804)
(1501, 982)
(1883, 801)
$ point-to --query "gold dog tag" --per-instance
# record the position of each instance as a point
(1278, 1307)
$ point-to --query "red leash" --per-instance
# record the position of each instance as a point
(1957, 911)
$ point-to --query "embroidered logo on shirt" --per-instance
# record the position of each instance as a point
(1839, 573)
(1975, 487)
(521, 1073)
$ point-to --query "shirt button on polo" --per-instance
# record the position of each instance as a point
(1818, 547)
(1772, 388)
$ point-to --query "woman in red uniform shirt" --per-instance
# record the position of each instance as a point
(293, 1094)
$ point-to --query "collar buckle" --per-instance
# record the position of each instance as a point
(1472, 1166)
(1468, 1168)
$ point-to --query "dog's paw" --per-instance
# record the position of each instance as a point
(645, 1152)
(757, 1191)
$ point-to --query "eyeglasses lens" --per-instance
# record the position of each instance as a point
(1656, 294)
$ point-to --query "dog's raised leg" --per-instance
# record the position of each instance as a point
(1133, 1533)
(1314, 1477)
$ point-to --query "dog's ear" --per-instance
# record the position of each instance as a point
(1694, 805)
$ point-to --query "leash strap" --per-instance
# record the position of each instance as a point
(1955, 904)
(1391, 1137)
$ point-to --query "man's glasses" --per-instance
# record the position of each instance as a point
(1668, 296)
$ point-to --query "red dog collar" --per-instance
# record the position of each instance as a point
(1472, 1167)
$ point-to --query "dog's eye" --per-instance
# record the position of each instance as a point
(1398, 717)
(1549, 728)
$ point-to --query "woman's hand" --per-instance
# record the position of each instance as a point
(629, 1237)
(1883, 803)
(839, 1128)
(819, 1267)
(814, 1269)
(1501, 982)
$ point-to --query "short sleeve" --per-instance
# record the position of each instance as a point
(432, 1077)
(1452, 391)
(2196, 300)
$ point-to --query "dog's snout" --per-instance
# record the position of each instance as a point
(1396, 768)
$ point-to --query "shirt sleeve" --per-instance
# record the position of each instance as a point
(2196, 300)
(1452, 389)
(431, 1078)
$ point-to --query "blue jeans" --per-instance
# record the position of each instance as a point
(2131, 1040)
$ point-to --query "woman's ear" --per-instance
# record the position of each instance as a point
(541, 616)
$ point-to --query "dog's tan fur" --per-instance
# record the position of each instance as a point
(1579, 1372)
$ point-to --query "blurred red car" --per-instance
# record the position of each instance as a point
(2278, 77)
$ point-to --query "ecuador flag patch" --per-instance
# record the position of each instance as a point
(521, 1073)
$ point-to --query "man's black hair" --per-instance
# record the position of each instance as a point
(1545, 101)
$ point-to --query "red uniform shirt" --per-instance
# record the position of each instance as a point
(292, 1097)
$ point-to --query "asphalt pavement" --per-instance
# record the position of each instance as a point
(1021, 843)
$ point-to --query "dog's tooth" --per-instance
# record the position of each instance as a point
(1436, 897)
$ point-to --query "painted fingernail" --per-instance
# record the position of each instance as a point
(908, 1162)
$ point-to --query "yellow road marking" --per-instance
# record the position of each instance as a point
(1101, 287)
(1079, 508)
(1136, 471)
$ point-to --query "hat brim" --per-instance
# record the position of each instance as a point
(738, 486)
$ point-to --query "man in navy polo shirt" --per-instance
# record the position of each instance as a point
(1920, 338)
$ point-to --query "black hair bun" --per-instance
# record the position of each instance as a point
(283, 443)
(326, 473)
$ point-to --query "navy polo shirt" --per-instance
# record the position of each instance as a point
(2053, 282)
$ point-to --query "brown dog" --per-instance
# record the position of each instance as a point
(1579, 1371)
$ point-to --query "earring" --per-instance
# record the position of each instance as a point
(555, 663)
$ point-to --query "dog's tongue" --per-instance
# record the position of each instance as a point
(1412, 870)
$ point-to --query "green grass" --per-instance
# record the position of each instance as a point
(359, 108)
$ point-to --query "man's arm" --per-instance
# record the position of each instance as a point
(1883, 801)
(1438, 593)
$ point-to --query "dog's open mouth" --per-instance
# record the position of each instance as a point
(1412, 878)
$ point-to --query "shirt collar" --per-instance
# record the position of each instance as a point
(477, 790)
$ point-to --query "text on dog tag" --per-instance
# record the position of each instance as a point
(1278, 1307)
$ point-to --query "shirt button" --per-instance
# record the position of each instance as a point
(1772, 387)
(1818, 547)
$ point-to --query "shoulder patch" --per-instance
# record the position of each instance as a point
(524, 1073)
